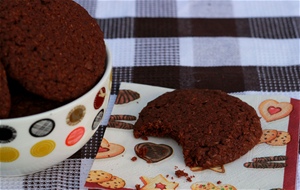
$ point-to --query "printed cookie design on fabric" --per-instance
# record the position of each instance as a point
(114, 123)
(225, 187)
(120, 125)
(7, 134)
(203, 185)
(152, 152)
(272, 110)
(108, 150)
(274, 137)
(267, 162)
(105, 179)
(42, 128)
(219, 169)
(126, 96)
(75, 136)
(268, 134)
(96, 176)
(76, 115)
(122, 117)
(8, 154)
(158, 182)
(264, 165)
(42, 148)
(100, 97)
(282, 138)
(98, 119)
(270, 158)
(114, 183)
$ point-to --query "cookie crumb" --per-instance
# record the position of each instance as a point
(137, 187)
(149, 161)
(144, 138)
(180, 173)
(142, 152)
(219, 182)
(134, 158)
(167, 176)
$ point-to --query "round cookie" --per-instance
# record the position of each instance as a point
(111, 151)
(268, 135)
(5, 100)
(212, 127)
(96, 176)
(54, 48)
(282, 138)
(114, 183)
(203, 186)
(225, 187)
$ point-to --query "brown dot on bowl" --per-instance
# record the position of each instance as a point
(76, 115)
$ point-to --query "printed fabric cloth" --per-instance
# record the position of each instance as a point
(242, 47)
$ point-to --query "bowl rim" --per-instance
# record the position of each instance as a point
(108, 70)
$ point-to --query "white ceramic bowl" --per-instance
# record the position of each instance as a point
(34, 143)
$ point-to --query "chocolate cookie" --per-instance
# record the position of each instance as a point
(5, 100)
(54, 48)
(212, 127)
(24, 103)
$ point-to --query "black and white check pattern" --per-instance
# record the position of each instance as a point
(244, 47)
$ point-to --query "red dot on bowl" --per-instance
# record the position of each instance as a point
(75, 136)
(99, 99)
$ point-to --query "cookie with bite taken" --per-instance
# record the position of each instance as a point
(212, 127)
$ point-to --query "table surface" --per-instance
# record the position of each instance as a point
(242, 47)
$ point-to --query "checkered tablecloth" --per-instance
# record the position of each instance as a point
(241, 47)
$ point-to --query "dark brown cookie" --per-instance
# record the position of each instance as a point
(54, 48)
(212, 127)
(155, 152)
(126, 96)
(5, 100)
(24, 103)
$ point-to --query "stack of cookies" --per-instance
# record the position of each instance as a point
(51, 51)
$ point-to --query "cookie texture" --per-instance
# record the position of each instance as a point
(97, 176)
(282, 138)
(53, 48)
(212, 127)
(268, 135)
(114, 183)
(5, 100)
(25, 103)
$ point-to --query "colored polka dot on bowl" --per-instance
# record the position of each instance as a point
(98, 119)
(76, 115)
(42, 148)
(42, 128)
(7, 134)
(75, 136)
(99, 99)
(8, 154)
